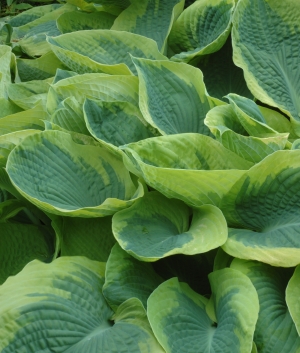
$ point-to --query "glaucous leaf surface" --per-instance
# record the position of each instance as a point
(60, 305)
(264, 35)
(172, 96)
(116, 123)
(181, 324)
(201, 29)
(156, 227)
(292, 298)
(89, 237)
(70, 178)
(275, 331)
(150, 18)
(208, 173)
(262, 210)
(127, 277)
(78, 21)
(104, 51)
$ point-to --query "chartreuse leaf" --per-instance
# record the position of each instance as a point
(156, 227)
(292, 298)
(201, 29)
(20, 243)
(173, 97)
(8, 108)
(79, 20)
(31, 37)
(104, 51)
(221, 76)
(90, 237)
(94, 86)
(70, 116)
(262, 210)
(30, 119)
(10, 141)
(118, 3)
(39, 69)
(208, 173)
(28, 94)
(152, 19)
(70, 178)
(264, 35)
(5, 76)
(126, 277)
(179, 320)
(115, 123)
(275, 331)
(225, 125)
(60, 305)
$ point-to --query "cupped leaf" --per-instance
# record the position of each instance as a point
(104, 51)
(264, 35)
(208, 173)
(10, 141)
(21, 243)
(152, 19)
(275, 331)
(156, 227)
(225, 125)
(94, 86)
(89, 237)
(70, 178)
(70, 116)
(173, 97)
(292, 298)
(221, 76)
(180, 322)
(116, 123)
(79, 20)
(126, 277)
(262, 210)
(60, 305)
(201, 29)
(39, 69)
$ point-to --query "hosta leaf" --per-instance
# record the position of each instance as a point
(31, 37)
(156, 227)
(28, 94)
(79, 20)
(126, 277)
(173, 97)
(30, 119)
(39, 69)
(292, 298)
(262, 210)
(116, 123)
(118, 3)
(104, 51)
(201, 29)
(275, 331)
(70, 178)
(70, 116)
(8, 108)
(152, 19)
(60, 305)
(62, 74)
(90, 237)
(264, 37)
(5, 76)
(221, 76)
(10, 141)
(209, 172)
(180, 322)
(9, 208)
(94, 86)
(224, 124)
(20, 244)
